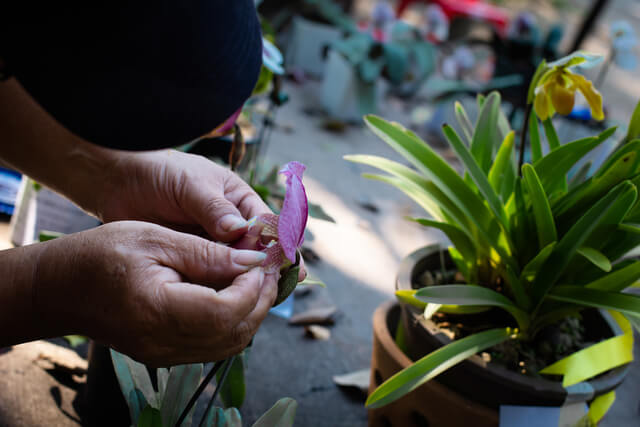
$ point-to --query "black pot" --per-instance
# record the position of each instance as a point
(488, 383)
(104, 401)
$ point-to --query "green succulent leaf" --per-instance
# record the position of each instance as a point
(282, 414)
(557, 262)
(624, 303)
(596, 257)
(150, 417)
(471, 295)
(545, 225)
(581, 175)
(183, 380)
(133, 375)
(435, 363)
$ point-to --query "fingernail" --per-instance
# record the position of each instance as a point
(231, 222)
(248, 258)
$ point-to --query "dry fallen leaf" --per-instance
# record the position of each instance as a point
(322, 316)
(358, 379)
(317, 332)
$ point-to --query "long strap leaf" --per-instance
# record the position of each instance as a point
(545, 226)
(477, 174)
(596, 359)
(566, 248)
(463, 121)
(552, 136)
(618, 280)
(435, 363)
(589, 297)
(447, 179)
(471, 295)
(485, 136)
(458, 237)
(501, 165)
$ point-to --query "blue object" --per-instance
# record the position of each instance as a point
(530, 416)
(9, 185)
(580, 112)
(284, 309)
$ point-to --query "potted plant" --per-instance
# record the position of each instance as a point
(532, 254)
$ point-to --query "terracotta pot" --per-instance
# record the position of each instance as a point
(431, 404)
(489, 384)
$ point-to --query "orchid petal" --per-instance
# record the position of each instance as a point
(562, 98)
(542, 105)
(225, 127)
(591, 94)
(295, 211)
(275, 258)
(269, 224)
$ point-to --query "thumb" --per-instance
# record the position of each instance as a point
(216, 214)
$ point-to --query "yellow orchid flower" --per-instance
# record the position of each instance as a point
(555, 90)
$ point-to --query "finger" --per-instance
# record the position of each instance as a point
(268, 295)
(244, 197)
(195, 310)
(203, 261)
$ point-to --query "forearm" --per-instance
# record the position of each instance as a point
(20, 320)
(34, 143)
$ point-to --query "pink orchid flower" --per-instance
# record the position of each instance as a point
(282, 235)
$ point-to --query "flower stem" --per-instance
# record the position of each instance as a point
(225, 372)
(198, 392)
(523, 137)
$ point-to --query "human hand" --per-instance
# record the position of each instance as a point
(181, 191)
(161, 296)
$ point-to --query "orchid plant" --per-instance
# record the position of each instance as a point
(525, 238)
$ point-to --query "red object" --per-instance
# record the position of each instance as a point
(475, 9)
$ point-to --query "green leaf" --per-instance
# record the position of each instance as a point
(499, 177)
(281, 414)
(566, 248)
(133, 375)
(136, 403)
(579, 57)
(485, 136)
(447, 180)
(46, 235)
(183, 381)
(531, 269)
(610, 163)
(463, 121)
(542, 67)
(545, 225)
(316, 211)
(534, 138)
(435, 363)
(150, 417)
(634, 125)
(624, 303)
(596, 257)
(471, 295)
(76, 340)
(458, 237)
(553, 168)
(580, 176)
(550, 132)
(617, 280)
(233, 389)
(214, 417)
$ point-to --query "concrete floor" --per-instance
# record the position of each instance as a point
(359, 256)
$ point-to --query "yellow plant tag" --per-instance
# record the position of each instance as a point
(600, 406)
(596, 359)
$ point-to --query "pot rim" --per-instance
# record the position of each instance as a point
(600, 385)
